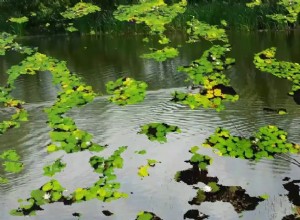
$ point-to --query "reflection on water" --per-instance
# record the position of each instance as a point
(107, 58)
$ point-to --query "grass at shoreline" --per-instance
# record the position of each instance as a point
(238, 17)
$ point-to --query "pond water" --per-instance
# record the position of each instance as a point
(100, 59)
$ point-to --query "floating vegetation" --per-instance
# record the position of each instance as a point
(158, 131)
(207, 75)
(212, 61)
(141, 152)
(126, 91)
(265, 61)
(198, 29)
(79, 10)
(65, 135)
(154, 13)
(19, 20)
(143, 170)
(143, 215)
(162, 55)
(266, 143)
(7, 43)
(292, 7)
(198, 173)
(198, 159)
(194, 214)
(11, 163)
(104, 189)
(279, 111)
(54, 168)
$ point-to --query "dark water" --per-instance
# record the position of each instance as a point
(100, 59)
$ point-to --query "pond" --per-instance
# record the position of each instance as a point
(99, 59)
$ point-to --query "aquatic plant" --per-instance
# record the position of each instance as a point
(266, 143)
(198, 159)
(143, 170)
(65, 135)
(79, 10)
(198, 29)
(207, 75)
(7, 43)
(265, 61)
(140, 152)
(158, 131)
(104, 189)
(11, 163)
(126, 91)
(161, 55)
(54, 168)
(144, 215)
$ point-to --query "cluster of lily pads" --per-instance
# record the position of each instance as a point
(104, 189)
(126, 91)
(266, 62)
(266, 143)
(65, 135)
(158, 131)
(207, 76)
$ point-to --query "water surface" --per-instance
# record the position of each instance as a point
(100, 59)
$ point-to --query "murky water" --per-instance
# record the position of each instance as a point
(100, 59)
